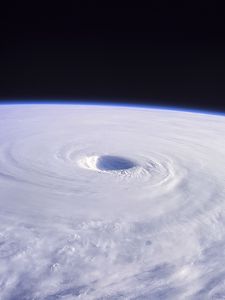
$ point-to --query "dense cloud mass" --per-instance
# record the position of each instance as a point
(111, 203)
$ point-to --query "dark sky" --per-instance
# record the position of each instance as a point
(157, 54)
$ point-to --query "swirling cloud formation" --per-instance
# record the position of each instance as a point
(111, 203)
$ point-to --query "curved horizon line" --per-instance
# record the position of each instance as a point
(112, 104)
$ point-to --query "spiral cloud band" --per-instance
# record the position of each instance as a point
(100, 202)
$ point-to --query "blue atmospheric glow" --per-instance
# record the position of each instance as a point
(111, 104)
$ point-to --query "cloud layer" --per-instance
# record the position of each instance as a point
(111, 203)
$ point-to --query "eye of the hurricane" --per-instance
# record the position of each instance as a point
(113, 163)
(106, 163)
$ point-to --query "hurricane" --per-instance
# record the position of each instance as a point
(111, 202)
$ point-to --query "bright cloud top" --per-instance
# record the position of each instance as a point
(111, 203)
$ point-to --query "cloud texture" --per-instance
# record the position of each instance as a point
(74, 225)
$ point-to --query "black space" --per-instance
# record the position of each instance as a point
(159, 53)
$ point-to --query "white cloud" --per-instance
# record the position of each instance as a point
(74, 227)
